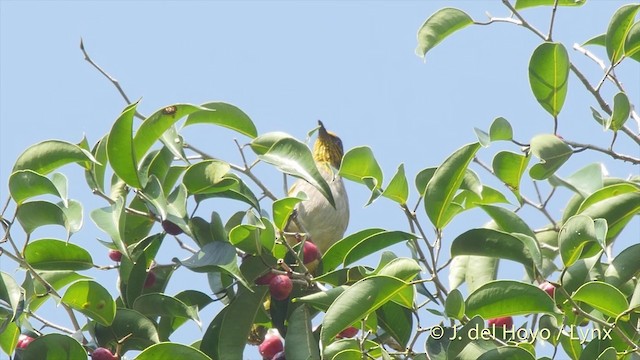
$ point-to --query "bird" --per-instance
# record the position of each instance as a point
(321, 222)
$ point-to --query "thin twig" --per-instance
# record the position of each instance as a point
(581, 147)
(48, 323)
(553, 18)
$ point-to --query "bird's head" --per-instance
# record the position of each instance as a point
(328, 147)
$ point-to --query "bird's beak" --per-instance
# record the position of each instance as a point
(322, 132)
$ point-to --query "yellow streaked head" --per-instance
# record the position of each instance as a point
(328, 147)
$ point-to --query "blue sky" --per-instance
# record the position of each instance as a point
(288, 64)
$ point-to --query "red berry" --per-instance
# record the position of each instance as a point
(102, 354)
(115, 255)
(506, 322)
(171, 228)
(23, 341)
(265, 279)
(280, 287)
(150, 280)
(310, 252)
(347, 333)
(548, 287)
(271, 346)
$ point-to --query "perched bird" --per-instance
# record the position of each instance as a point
(322, 223)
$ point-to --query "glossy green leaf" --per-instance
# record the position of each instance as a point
(134, 330)
(397, 321)
(494, 243)
(621, 23)
(120, 148)
(584, 181)
(155, 304)
(34, 214)
(423, 178)
(624, 266)
(111, 220)
(154, 126)
(95, 174)
(264, 142)
(91, 299)
(509, 167)
(9, 337)
(474, 270)
(552, 152)
(454, 305)
(246, 238)
(571, 345)
(49, 155)
(207, 176)
(500, 130)
(548, 75)
(282, 210)
(468, 346)
(10, 292)
(373, 243)
(192, 299)
(294, 158)
(507, 220)
(364, 297)
(508, 298)
(466, 199)
(522, 4)
(323, 299)
(617, 204)
(632, 43)
(437, 343)
(398, 188)
(54, 347)
(596, 40)
(57, 280)
(301, 344)
(335, 255)
(226, 115)
(25, 184)
(621, 111)
(438, 26)
(445, 182)
(215, 256)
(402, 268)
(577, 239)
(346, 349)
(51, 254)
(602, 297)
(171, 351)
(510, 352)
(232, 187)
(360, 165)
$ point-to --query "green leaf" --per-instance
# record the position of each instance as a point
(454, 305)
(423, 178)
(494, 243)
(445, 182)
(111, 220)
(398, 188)
(91, 299)
(397, 321)
(54, 347)
(509, 167)
(522, 4)
(508, 298)
(617, 204)
(51, 254)
(216, 256)
(621, 111)
(374, 243)
(364, 297)
(153, 127)
(25, 184)
(294, 158)
(57, 279)
(500, 130)
(438, 26)
(207, 176)
(301, 343)
(155, 304)
(9, 337)
(621, 23)
(264, 142)
(468, 346)
(624, 266)
(282, 210)
(94, 175)
(632, 43)
(134, 330)
(347, 349)
(577, 239)
(34, 214)
(225, 115)
(596, 40)
(402, 268)
(584, 181)
(323, 299)
(49, 155)
(232, 187)
(171, 351)
(120, 148)
(191, 298)
(335, 255)
(508, 221)
(602, 297)
(474, 270)
(552, 152)
(548, 74)
(510, 352)
(10, 292)
(360, 165)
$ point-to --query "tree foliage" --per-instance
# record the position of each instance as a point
(153, 182)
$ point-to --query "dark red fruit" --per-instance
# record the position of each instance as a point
(271, 346)
(506, 322)
(102, 354)
(115, 255)
(150, 280)
(310, 252)
(265, 279)
(171, 228)
(23, 341)
(280, 287)
(548, 287)
(347, 333)
(279, 356)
